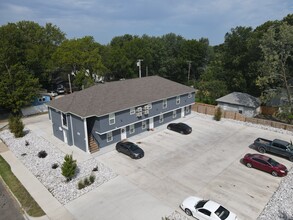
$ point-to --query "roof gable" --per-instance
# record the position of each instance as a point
(115, 96)
(239, 98)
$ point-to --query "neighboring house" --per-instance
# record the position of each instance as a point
(242, 103)
(107, 113)
(38, 105)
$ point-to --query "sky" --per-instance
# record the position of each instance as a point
(105, 19)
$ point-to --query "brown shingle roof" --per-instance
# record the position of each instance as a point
(114, 96)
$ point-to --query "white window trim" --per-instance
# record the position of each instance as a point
(165, 103)
(111, 117)
(187, 109)
(174, 114)
(132, 111)
(161, 118)
(131, 129)
(143, 125)
(109, 136)
(177, 100)
(64, 126)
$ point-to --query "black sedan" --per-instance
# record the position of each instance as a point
(180, 127)
(130, 149)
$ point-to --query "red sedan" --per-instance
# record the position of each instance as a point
(265, 163)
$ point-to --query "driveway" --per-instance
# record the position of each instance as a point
(205, 163)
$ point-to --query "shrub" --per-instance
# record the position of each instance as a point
(42, 154)
(92, 178)
(24, 154)
(80, 185)
(16, 126)
(68, 167)
(55, 166)
(218, 114)
(96, 168)
(86, 182)
(27, 143)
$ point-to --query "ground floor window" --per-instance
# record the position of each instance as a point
(109, 136)
(174, 114)
(187, 109)
(143, 125)
(131, 129)
(161, 118)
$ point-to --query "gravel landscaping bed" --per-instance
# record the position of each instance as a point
(26, 149)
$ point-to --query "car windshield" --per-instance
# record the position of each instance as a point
(133, 147)
(273, 162)
(222, 213)
(201, 203)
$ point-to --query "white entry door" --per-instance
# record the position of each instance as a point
(123, 133)
(151, 123)
(65, 136)
(182, 112)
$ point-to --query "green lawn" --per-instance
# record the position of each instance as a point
(27, 202)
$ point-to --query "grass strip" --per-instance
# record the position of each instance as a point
(27, 202)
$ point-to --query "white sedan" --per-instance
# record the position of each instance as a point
(206, 209)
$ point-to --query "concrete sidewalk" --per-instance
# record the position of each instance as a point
(51, 206)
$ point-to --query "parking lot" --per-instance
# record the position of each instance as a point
(206, 163)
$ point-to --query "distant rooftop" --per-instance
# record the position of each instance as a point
(239, 98)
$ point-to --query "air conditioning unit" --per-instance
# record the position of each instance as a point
(139, 109)
(146, 107)
(139, 114)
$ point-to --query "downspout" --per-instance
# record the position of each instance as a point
(86, 136)
(71, 130)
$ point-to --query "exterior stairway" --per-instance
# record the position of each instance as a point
(94, 147)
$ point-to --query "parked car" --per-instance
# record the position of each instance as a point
(180, 127)
(265, 163)
(206, 209)
(279, 147)
(130, 149)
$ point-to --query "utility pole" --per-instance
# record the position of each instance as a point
(69, 79)
(139, 67)
(146, 71)
(189, 68)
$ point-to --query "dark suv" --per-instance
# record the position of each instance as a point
(130, 149)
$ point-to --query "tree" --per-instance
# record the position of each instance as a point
(68, 167)
(17, 88)
(82, 80)
(276, 68)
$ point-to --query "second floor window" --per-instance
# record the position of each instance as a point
(111, 118)
(165, 103)
(177, 100)
(64, 120)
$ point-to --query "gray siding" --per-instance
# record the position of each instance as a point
(78, 132)
(102, 139)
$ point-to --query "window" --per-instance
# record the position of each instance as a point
(165, 103)
(279, 146)
(111, 118)
(187, 109)
(109, 137)
(143, 125)
(131, 129)
(177, 100)
(174, 114)
(189, 95)
(64, 120)
(205, 212)
(132, 111)
(240, 111)
(161, 118)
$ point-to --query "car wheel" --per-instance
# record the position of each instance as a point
(291, 158)
(249, 165)
(188, 212)
(262, 150)
(274, 173)
(181, 132)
